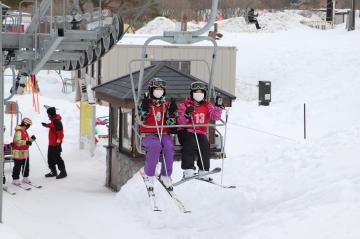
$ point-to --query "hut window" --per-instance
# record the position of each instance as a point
(114, 126)
(183, 66)
(126, 129)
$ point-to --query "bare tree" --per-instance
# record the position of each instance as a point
(134, 12)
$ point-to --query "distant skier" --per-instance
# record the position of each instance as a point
(252, 18)
(155, 111)
(196, 110)
(56, 135)
(20, 152)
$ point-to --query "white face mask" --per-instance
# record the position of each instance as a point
(158, 93)
(198, 96)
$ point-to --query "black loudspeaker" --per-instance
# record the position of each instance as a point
(264, 92)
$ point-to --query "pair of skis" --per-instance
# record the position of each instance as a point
(170, 192)
(151, 194)
(199, 176)
(24, 186)
(196, 176)
(216, 184)
(174, 197)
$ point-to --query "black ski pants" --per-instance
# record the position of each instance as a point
(256, 23)
(190, 150)
(54, 158)
(22, 166)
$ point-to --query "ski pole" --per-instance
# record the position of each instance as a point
(197, 143)
(24, 168)
(223, 149)
(160, 135)
(42, 155)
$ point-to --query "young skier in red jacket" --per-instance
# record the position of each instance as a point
(193, 111)
(155, 111)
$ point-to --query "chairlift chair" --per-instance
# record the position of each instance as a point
(176, 38)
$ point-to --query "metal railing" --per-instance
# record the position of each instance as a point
(323, 25)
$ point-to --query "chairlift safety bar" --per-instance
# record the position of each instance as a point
(136, 99)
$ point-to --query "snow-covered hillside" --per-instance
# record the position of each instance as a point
(269, 21)
(287, 187)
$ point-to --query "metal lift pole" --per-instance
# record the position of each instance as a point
(353, 8)
(1, 116)
(182, 38)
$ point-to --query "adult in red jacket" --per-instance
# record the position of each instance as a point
(56, 135)
(193, 111)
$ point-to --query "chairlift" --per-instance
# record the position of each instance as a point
(173, 37)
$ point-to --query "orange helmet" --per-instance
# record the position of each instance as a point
(26, 122)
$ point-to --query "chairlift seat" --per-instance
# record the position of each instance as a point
(8, 153)
(67, 82)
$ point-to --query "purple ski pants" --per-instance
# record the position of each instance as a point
(153, 148)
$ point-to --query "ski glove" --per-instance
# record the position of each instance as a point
(189, 110)
(219, 102)
(44, 124)
(29, 142)
(33, 137)
(145, 104)
(172, 107)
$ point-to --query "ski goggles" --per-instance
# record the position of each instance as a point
(157, 82)
(197, 86)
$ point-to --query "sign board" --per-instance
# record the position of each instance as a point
(87, 126)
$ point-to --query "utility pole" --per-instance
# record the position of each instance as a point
(353, 9)
(351, 17)
(329, 10)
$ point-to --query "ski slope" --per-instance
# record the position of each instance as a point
(287, 187)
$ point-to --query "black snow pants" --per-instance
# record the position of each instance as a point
(54, 158)
(256, 23)
(190, 150)
(22, 166)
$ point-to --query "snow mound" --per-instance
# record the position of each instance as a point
(160, 24)
(157, 26)
(269, 21)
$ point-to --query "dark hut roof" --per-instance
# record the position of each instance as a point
(4, 8)
(177, 84)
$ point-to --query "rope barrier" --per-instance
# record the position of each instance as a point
(265, 132)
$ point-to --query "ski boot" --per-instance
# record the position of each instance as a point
(207, 178)
(149, 182)
(188, 173)
(26, 180)
(61, 175)
(167, 182)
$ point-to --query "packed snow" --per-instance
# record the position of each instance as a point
(287, 187)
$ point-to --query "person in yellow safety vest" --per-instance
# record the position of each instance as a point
(20, 153)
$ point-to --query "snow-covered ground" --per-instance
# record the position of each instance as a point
(287, 187)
